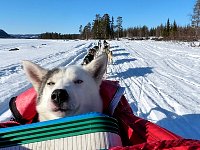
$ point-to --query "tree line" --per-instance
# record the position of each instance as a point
(169, 31)
(102, 27)
(54, 35)
(105, 27)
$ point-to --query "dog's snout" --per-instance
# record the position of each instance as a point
(59, 96)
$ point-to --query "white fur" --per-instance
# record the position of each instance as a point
(83, 96)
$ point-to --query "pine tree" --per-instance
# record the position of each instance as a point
(196, 17)
(152, 32)
(96, 28)
(81, 31)
(160, 30)
(145, 31)
(112, 28)
(119, 27)
(106, 26)
(87, 31)
(168, 28)
(174, 30)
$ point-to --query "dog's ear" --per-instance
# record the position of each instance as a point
(34, 72)
(97, 67)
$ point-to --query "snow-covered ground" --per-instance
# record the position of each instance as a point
(162, 79)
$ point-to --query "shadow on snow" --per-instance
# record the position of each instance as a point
(114, 46)
(121, 54)
(118, 50)
(134, 72)
(121, 61)
(181, 122)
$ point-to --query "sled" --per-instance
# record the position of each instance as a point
(116, 129)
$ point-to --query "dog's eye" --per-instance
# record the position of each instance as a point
(50, 83)
(78, 81)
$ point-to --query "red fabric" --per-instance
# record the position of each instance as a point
(181, 144)
(9, 124)
(139, 130)
(136, 133)
(26, 104)
(107, 92)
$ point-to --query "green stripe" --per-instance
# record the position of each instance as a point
(59, 127)
(79, 121)
(15, 142)
(58, 130)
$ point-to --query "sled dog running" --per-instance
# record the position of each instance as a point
(89, 57)
(109, 54)
(67, 91)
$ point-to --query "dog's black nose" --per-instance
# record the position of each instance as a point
(59, 96)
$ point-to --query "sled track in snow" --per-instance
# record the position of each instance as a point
(158, 85)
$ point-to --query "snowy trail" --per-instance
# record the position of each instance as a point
(162, 79)
(162, 83)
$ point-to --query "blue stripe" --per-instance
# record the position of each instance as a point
(50, 122)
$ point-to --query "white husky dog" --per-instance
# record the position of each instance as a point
(67, 91)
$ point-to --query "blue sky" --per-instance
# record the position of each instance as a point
(65, 16)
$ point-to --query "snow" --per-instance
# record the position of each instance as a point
(162, 79)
